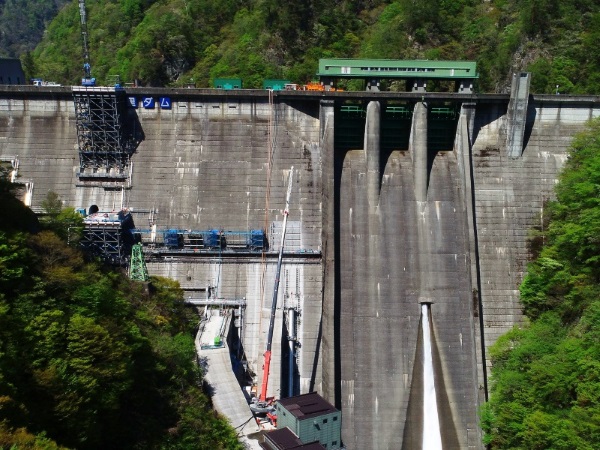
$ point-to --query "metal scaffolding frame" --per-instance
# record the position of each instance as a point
(108, 235)
(104, 149)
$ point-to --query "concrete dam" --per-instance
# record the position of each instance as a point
(399, 200)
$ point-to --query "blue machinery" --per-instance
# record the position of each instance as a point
(112, 235)
(201, 240)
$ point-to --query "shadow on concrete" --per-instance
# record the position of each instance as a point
(313, 375)
(412, 438)
(290, 376)
(133, 134)
(529, 122)
(447, 427)
(396, 120)
(308, 107)
(484, 116)
(338, 166)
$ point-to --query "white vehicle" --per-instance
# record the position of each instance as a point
(40, 82)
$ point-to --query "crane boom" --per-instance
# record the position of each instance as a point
(87, 79)
(267, 363)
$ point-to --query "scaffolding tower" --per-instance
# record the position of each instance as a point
(104, 147)
(108, 235)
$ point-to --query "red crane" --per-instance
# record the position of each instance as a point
(267, 363)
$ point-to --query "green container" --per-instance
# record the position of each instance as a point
(275, 85)
(217, 340)
(227, 83)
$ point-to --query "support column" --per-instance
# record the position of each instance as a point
(329, 323)
(418, 149)
(373, 152)
(463, 148)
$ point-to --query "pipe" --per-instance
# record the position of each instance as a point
(291, 339)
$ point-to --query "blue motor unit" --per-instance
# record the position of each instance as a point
(172, 239)
(212, 239)
(257, 239)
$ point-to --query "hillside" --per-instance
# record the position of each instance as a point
(88, 358)
(23, 22)
(175, 42)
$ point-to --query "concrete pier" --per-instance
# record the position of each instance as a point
(418, 150)
(373, 151)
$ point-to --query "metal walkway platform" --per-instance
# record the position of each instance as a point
(227, 396)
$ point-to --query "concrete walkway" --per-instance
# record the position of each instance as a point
(226, 393)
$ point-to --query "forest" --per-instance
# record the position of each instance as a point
(88, 358)
(183, 42)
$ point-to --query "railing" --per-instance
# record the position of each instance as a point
(215, 302)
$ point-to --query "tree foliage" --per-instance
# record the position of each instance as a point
(175, 42)
(546, 375)
(23, 22)
(91, 360)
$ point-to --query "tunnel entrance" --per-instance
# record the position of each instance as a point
(396, 120)
(442, 120)
(349, 127)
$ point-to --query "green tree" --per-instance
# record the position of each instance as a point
(52, 204)
(89, 359)
(21, 439)
(28, 64)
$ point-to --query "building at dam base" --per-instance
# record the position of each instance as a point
(398, 200)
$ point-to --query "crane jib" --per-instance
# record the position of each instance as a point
(263, 393)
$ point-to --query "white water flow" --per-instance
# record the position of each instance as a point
(432, 438)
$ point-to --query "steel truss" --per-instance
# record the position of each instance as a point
(137, 266)
(111, 239)
(104, 150)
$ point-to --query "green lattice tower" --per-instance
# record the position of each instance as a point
(137, 268)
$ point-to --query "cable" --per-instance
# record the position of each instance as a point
(245, 423)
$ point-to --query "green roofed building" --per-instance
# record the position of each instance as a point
(416, 72)
(311, 418)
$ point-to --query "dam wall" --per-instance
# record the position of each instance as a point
(509, 195)
(380, 222)
(207, 163)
